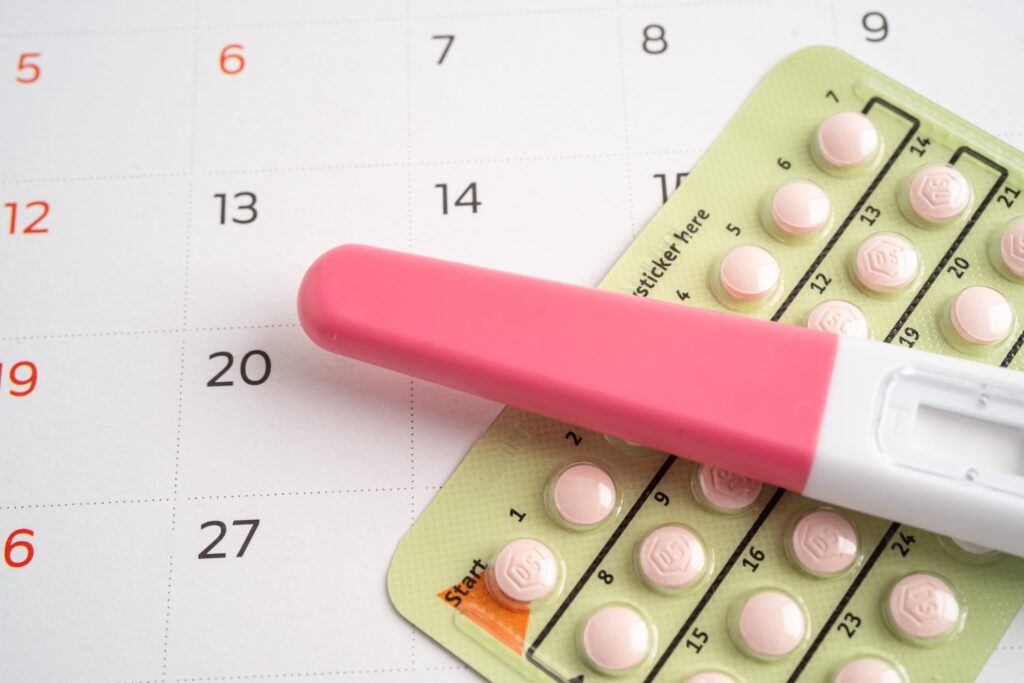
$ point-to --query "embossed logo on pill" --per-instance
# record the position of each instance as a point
(922, 598)
(821, 539)
(837, 318)
(886, 257)
(525, 569)
(941, 188)
(731, 484)
(670, 555)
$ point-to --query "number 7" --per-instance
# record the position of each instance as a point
(450, 39)
(253, 524)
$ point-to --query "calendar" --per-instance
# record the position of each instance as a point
(190, 490)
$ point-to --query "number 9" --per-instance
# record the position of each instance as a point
(19, 381)
(879, 28)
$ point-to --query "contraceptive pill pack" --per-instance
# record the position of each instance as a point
(836, 199)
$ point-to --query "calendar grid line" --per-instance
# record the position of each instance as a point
(129, 333)
(299, 674)
(328, 168)
(189, 215)
(634, 228)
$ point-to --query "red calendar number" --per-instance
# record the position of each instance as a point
(25, 65)
(33, 227)
(232, 63)
(11, 546)
(22, 378)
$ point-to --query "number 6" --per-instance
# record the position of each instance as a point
(235, 58)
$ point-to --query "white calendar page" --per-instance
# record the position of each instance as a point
(189, 489)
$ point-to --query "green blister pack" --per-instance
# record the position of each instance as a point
(898, 223)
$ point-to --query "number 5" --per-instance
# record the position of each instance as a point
(24, 64)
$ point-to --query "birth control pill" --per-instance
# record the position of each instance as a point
(868, 670)
(583, 495)
(748, 273)
(672, 558)
(981, 315)
(923, 609)
(938, 194)
(800, 208)
(1009, 251)
(885, 262)
(725, 491)
(846, 140)
(710, 677)
(615, 639)
(822, 543)
(767, 624)
(972, 548)
(524, 571)
(838, 317)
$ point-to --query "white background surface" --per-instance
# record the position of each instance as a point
(341, 123)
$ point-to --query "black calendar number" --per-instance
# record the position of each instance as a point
(575, 438)
(663, 178)
(820, 282)
(849, 625)
(447, 46)
(902, 546)
(1008, 197)
(244, 210)
(734, 229)
(248, 369)
(959, 267)
(784, 164)
(662, 497)
(697, 640)
(607, 577)
(654, 39)
(870, 215)
(755, 559)
(921, 146)
(909, 337)
(207, 552)
(512, 512)
(831, 95)
(467, 198)
(876, 25)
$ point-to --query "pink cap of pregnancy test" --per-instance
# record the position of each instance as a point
(672, 557)
(981, 315)
(868, 670)
(616, 638)
(524, 570)
(800, 208)
(725, 491)
(769, 624)
(847, 139)
(583, 495)
(923, 608)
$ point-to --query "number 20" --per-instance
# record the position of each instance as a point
(243, 367)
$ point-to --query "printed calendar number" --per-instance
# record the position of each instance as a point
(663, 179)
(697, 640)
(1008, 197)
(654, 39)
(18, 552)
(21, 378)
(27, 221)
(754, 561)
(207, 552)
(876, 25)
(248, 369)
(466, 199)
(29, 70)
(902, 546)
(959, 267)
(243, 213)
(849, 625)
(447, 46)
(231, 60)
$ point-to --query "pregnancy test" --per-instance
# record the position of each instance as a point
(928, 440)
